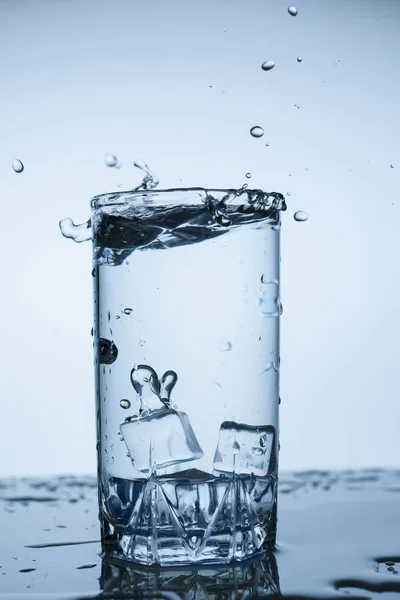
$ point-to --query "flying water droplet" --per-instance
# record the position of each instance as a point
(299, 59)
(125, 403)
(257, 131)
(111, 160)
(300, 216)
(292, 10)
(248, 175)
(17, 165)
(268, 65)
(78, 233)
(128, 311)
(225, 346)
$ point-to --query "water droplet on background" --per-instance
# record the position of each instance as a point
(392, 166)
(111, 160)
(257, 131)
(268, 65)
(300, 216)
(292, 10)
(125, 403)
(299, 59)
(128, 311)
(225, 346)
(248, 175)
(17, 165)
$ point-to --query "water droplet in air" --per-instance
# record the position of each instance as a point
(248, 175)
(125, 404)
(292, 10)
(299, 59)
(17, 165)
(300, 216)
(257, 131)
(236, 448)
(225, 346)
(392, 166)
(268, 65)
(117, 317)
(128, 311)
(111, 160)
(78, 233)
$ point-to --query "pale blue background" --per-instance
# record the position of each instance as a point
(83, 78)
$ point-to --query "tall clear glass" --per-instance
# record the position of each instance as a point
(186, 336)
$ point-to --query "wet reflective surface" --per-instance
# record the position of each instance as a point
(338, 536)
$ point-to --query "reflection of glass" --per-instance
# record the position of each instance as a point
(253, 577)
(186, 332)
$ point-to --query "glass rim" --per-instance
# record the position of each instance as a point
(125, 197)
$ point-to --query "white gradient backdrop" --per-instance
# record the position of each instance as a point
(179, 84)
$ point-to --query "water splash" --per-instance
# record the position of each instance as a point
(268, 65)
(257, 131)
(78, 233)
(17, 165)
(149, 181)
(300, 216)
(292, 10)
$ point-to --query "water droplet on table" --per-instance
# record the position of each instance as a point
(299, 59)
(292, 10)
(300, 216)
(268, 65)
(17, 165)
(125, 404)
(257, 131)
(111, 160)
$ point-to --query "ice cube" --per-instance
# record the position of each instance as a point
(245, 449)
(165, 435)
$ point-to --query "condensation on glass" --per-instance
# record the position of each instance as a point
(186, 336)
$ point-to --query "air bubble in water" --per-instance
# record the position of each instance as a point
(300, 216)
(78, 233)
(111, 160)
(125, 403)
(292, 10)
(268, 65)
(17, 165)
(257, 131)
(299, 59)
(225, 346)
(248, 175)
(128, 311)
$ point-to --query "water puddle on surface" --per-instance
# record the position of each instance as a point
(338, 537)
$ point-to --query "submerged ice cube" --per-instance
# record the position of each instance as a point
(163, 437)
(245, 449)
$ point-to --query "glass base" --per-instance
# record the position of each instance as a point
(209, 521)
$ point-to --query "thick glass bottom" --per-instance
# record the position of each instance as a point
(200, 519)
